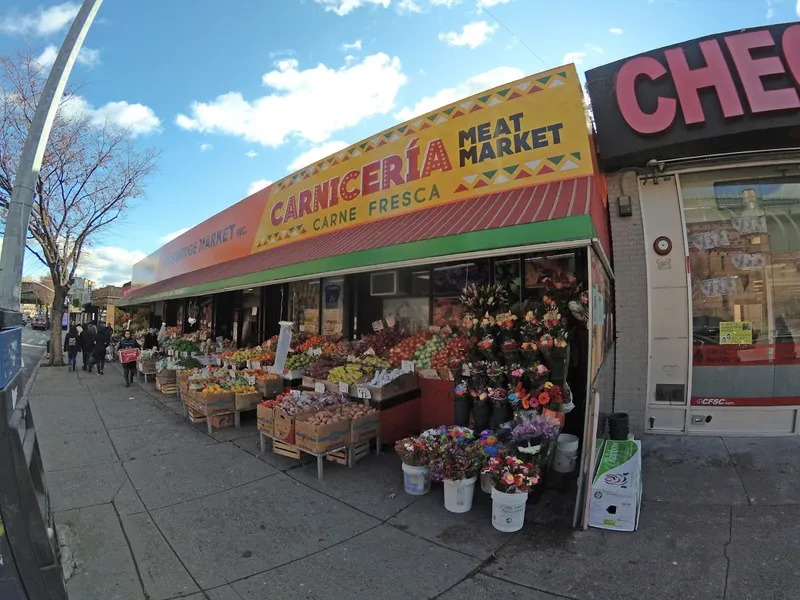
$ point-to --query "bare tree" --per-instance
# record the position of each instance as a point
(90, 174)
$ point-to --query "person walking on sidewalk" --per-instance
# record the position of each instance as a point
(99, 352)
(71, 345)
(87, 339)
(129, 368)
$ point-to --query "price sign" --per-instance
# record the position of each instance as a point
(295, 394)
(316, 352)
(363, 392)
(435, 329)
(255, 365)
(408, 366)
(319, 387)
(344, 388)
(390, 321)
(251, 379)
(377, 326)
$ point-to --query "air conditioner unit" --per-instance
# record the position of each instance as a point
(386, 283)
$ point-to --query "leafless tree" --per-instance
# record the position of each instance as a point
(90, 175)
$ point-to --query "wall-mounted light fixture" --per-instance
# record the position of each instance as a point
(624, 206)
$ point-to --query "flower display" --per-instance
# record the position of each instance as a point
(511, 475)
(533, 429)
(415, 452)
(491, 444)
(452, 459)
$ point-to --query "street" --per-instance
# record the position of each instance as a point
(34, 345)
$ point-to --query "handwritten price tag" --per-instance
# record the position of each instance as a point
(316, 352)
(344, 388)
(408, 366)
(295, 394)
(363, 392)
(390, 321)
(377, 326)
(251, 379)
(319, 387)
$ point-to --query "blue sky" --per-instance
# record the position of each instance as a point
(236, 93)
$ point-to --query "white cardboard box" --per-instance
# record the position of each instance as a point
(617, 487)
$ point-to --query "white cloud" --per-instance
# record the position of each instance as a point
(447, 3)
(138, 119)
(206, 147)
(302, 104)
(354, 46)
(797, 8)
(408, 6)
(490, 3)
(345, 7)
(316, 153)
(171, 236)
(616, 31)
(43, 22)
(473, 85)
(598, 49)
(472, 35)
(109, 265)
(574, 57)
(257, 185)
(251, 154)
(87, 56)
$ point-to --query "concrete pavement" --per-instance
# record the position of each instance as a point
(149, 506)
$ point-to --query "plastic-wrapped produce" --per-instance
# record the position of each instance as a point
(384, 377)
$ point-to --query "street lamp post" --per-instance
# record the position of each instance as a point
(22, 195)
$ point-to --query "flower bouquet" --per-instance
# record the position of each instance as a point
(535, 375)
(532, 434)
(457, 465)
(510, 349)
(415, 454)
(511, 475)
(501, 409)
(479, 300)
(496, 374)
(486, 346)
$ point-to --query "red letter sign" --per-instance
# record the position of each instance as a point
(639, 120)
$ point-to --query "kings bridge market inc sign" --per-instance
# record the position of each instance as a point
(729, 92)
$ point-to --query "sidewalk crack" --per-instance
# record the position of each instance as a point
(725, 552)
(738, 474)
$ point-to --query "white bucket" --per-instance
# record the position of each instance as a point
(486, 483)
(458, 494)
(416, 480)
(508, 510)
(566, 453)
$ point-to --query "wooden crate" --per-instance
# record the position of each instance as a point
(196, 416)
(169, 389)
(222, 421)
(284, 449)
(340, 456)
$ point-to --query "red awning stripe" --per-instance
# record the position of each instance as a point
(492, 211)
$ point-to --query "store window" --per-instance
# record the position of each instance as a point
(251, 299)
(411, 311)
(304, 298)
(743, 230)
(506, 273)
(333, 305)
(448, 282)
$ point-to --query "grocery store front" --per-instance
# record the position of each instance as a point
(704, 142)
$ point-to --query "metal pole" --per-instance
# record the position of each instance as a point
(19, 209)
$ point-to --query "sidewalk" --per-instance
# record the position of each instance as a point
(151, 507)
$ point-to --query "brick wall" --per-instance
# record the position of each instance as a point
(630, 301)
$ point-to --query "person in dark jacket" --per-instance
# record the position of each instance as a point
(129, 368)
(99, 353)
(71, 347)
(87, 338)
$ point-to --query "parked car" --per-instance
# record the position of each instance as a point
(39, 323)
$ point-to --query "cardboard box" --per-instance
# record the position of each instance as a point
(247, 401)
(222, 421)
(617, 487)
(403, 384)
(318, 439)
(269, 388)
(212, 404)
(365, 428)
(266, 420)
(284, 428)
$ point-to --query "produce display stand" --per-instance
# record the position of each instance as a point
(145, 367)
(345, 455)
(190, 400)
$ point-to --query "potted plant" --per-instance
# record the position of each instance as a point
(457, 465)
(415, 454)
(511, 480)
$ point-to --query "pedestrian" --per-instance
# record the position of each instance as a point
(87, 338)
(71, 345)
(99, 352)
(129, 368)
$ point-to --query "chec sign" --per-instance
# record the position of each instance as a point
(736, 82)
(524, 133)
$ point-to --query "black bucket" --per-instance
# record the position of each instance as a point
(618, 426)
(462, 406)
(482, 413)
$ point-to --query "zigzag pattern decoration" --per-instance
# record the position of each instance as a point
(443, 115)
(552, 164)
(294, 231)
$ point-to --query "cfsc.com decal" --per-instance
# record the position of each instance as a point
(617, 479)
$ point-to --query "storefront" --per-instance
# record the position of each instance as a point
(701, 143)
